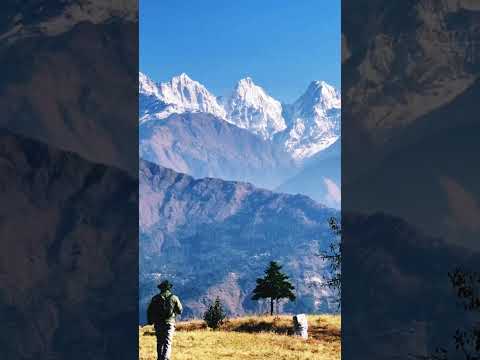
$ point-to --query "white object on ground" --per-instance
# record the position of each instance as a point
(300, 326)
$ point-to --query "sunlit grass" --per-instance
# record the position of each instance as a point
(250, 338)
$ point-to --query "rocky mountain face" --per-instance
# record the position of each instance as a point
(255, 138)
(206, 146)
(68, 254)
(214, 238)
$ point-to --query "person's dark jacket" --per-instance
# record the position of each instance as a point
(175, 301)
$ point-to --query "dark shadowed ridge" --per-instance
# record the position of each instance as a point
(67, 253)
(409, 295)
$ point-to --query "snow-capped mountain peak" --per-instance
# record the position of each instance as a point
(251, 108)
(251, 93)
(189, 95)
(315, 121)
(183, 76)
(151, 105)
(147, 86)
(246, 83)
(180, 94)
(322, 95)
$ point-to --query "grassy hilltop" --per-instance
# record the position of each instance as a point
(250, 338)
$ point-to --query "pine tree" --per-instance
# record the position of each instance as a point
(215, 315)
(274, 286)
(333, 257)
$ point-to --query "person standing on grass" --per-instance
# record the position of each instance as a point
(161, 313)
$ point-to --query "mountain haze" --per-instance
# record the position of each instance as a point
(207, 146)
(320, 178)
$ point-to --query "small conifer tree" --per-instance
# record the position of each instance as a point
(215, 315)
(274, 286)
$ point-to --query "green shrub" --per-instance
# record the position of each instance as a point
(215, 315)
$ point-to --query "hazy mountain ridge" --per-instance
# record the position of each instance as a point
(192, 231)
(320, 177)
(206, 146)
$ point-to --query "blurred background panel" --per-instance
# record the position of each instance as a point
(410, 195)
(68, 179)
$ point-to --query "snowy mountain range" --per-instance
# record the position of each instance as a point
(308, 126)
(245, 136)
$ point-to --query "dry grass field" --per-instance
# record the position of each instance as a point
(250, 338)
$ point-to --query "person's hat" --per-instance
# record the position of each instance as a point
(165, 285)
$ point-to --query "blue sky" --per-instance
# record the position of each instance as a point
(282, 44)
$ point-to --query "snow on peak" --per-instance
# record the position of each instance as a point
(248, 91)
(246, 82)
(180, 94)
(315, 121)
(150, 102)
(147, 86)
(312, 123)
(189, 95)
(251, 108)
(322, 94)
(183, 76)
